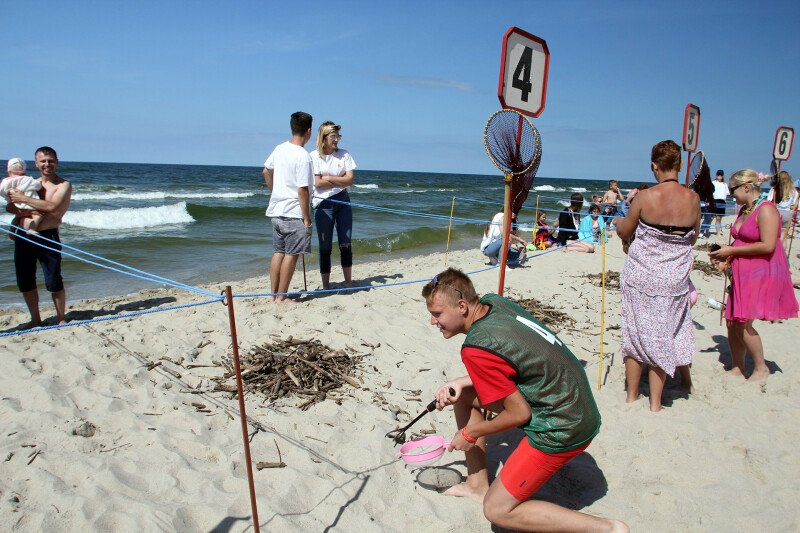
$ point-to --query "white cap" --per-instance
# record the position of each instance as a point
(16, 164)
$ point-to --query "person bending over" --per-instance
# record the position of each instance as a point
(522, 371)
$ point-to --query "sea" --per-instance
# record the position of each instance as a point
(206, 224)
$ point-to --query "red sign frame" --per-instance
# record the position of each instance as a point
(775, 144)
(514, 30)
(686, 124)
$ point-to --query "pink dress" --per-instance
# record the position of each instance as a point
(657, 327)
(761, 288)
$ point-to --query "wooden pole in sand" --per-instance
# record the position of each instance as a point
(449, 227)
(506, 232)
(305, 285)
(228, 301)
(602, 307)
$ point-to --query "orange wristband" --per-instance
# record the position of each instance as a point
(467, 436)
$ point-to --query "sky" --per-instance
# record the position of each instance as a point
(411, 83)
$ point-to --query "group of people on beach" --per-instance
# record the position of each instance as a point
(38, 206)
(297, 181)
(520, 374)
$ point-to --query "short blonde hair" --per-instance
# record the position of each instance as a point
(743, 177)
(454, 284)
(325, 129)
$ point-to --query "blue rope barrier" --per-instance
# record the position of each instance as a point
(152, 277)
(107, 318)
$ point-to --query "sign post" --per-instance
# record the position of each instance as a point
(524, 65)
(782, 149)
(691, 133)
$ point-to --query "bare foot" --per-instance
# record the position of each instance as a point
(758, 376)
(631, 399)
(734, 372)
(462, 490)
(617, 526)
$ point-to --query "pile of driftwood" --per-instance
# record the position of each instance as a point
(550, 316)
(293, 367)
(612, 279)
(706, 268)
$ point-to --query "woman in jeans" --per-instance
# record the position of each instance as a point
(333, 175)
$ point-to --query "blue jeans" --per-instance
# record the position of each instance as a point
(327, 215)
(493, 252)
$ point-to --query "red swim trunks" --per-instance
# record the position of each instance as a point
(527, 468)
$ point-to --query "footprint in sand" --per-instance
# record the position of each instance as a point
(33, 366)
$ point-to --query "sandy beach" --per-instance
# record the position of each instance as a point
(724, 459)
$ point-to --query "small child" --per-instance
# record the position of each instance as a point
(29, 186)
(544, 237)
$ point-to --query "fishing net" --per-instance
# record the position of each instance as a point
(515, 147)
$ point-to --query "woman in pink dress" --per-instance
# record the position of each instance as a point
(761, 285)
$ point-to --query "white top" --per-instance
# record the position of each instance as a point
(292, 169)
(495, 231)
(720, 190)
(25, 184)
(336, 164)
(787, 203)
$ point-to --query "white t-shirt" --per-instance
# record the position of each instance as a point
(720, 190)
(27, 185)
(292, 169)
(336, 164)
(495, 231)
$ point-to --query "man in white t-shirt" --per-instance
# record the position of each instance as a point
(289, 175)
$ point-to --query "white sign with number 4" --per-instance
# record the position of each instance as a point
(523, 72)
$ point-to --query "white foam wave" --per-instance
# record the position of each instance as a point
(157, 195)
(129, 217)
(366, 186)
(565, 203)
(548, 188)
(578, 189)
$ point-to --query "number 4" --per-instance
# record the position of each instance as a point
(522, 74)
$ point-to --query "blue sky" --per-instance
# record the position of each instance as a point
(412, 83)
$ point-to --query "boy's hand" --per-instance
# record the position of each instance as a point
(444, 397)
(459, 443)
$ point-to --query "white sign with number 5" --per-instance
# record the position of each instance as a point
(691, 127)
(523, 72)
(784, 138)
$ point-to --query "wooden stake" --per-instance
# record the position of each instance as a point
(228, 301)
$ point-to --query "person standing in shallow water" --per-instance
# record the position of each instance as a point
(334, 172)
(522, 371)
(52, 204)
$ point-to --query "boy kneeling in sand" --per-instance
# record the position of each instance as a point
(519, 369)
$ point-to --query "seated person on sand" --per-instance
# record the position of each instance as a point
(590, 229)
(568, 223)
(522, 371)
(543, 236)
(27, 185)
(493, 241)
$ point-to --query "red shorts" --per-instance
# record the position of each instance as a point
(527, 468)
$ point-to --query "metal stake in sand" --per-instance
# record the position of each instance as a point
(228, 301)
(602, 308)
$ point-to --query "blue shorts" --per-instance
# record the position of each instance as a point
(27, 253)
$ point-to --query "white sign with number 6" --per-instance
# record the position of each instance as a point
(784, 138)
(691, 127)
(523, 72)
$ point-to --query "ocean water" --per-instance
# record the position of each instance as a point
(206, 224)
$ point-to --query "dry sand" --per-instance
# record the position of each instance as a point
(724, 459)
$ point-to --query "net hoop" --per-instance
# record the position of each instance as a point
(695, 172)
(497, 133)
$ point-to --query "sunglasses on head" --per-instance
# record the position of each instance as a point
(435, 282)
